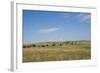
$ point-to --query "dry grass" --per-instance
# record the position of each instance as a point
(57, 53)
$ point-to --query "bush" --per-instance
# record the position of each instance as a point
(28, 46)
(34, 45)
(47, 45)
(53, 44)
(67, 42)
(42, 45)
(60, 44)
(24, 46)
(72, 43)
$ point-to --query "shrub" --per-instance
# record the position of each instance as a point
(47, 45)
(34, 45)
(67, 42)
(28, 46)
(42, 45)
(60, 44)
(24, 46)
(53, 44)
(72, 43)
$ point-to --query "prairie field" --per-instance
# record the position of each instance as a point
(57, 51)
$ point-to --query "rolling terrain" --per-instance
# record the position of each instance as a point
(57, 51)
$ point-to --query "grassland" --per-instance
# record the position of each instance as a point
(57, 51)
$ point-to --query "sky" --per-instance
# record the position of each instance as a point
(43, 26)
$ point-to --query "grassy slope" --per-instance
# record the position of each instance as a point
(57, 53)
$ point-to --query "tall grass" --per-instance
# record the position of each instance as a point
(57, 51)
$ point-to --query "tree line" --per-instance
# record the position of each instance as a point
(53, 44)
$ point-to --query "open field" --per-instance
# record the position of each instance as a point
(57, 51)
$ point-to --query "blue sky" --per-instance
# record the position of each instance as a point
(42, 26)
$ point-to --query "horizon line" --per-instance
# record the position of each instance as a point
(53, 41)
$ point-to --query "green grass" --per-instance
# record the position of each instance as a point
(57, 52)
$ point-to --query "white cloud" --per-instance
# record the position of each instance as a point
(83, 17)
(48, 30)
